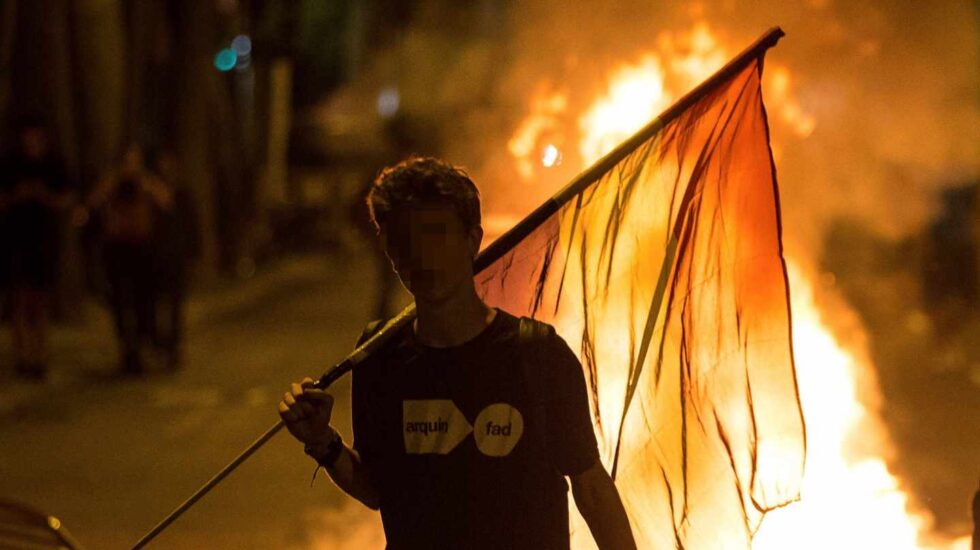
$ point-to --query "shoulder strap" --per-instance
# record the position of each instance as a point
(532, 330)
(531, 334)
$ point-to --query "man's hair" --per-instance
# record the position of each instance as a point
(418, 180)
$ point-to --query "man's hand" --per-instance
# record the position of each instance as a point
(306, 412)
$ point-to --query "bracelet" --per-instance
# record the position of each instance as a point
(326, 455)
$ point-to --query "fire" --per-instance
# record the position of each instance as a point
(525, 144)
(779, 89)
(848, 501)
(636, 95)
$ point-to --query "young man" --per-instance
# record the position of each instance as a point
(453, 441)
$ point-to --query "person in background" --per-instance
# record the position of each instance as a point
(177, 245)
(34, 193)
(128, 202)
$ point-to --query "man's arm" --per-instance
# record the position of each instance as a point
(598, 501)
(306, 413)
(574, 451)
(350, 474)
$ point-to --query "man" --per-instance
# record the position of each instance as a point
(464, 428)
(176, 244)
(34, 193)
(128, 201)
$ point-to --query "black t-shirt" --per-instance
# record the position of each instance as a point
(467, 453)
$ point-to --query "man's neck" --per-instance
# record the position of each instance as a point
(454, 321)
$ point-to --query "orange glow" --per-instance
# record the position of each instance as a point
(692, 56)
(636, 95)
(779, 88)
(526, 143)
(551, 156)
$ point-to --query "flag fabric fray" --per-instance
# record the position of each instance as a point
(667, 275)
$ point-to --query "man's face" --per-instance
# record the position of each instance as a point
(431, 250)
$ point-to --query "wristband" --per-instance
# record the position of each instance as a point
(326, 455)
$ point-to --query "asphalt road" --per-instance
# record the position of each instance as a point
(111, 456)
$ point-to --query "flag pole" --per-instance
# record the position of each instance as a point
(500, 247)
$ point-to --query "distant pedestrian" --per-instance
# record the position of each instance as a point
(34, 192)
(176, 246)
(128, 202)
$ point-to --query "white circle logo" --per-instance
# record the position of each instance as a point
(497, 430)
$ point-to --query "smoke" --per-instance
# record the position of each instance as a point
(892, 88)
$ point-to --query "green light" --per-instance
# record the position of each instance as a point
(225, 60)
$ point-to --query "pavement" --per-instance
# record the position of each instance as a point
(111, 456)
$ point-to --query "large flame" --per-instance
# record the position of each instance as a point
(850, 498)
(636, 95)
(848, 501)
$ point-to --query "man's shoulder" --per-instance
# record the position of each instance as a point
(509, 330)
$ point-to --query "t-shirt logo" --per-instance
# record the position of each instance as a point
(436, 426)
(433, 426)
(498, 429)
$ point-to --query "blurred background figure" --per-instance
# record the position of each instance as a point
(34, 192)
(177, 245)
(129, 202)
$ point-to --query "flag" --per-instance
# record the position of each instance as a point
(662, 267)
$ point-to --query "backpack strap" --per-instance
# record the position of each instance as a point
(532, 330)
(532, 333)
